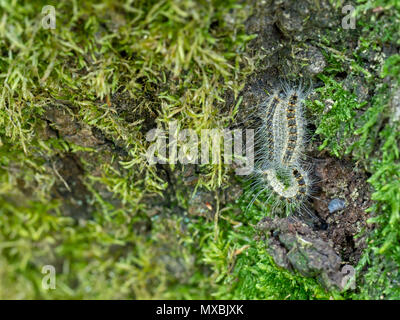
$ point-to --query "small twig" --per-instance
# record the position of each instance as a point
(61, 178)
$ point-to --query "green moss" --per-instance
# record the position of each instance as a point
(371, 137)
(256, 276)
(167, 60)
(337, 124)
(392, 67)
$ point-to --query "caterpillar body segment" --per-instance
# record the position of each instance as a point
(280, 134)
(296, 131)
(294, 188)
(269, 124)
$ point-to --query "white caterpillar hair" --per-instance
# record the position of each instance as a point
(280, 169)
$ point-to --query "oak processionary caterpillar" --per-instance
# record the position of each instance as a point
(280, 168)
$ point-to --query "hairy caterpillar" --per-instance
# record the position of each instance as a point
(280, 169)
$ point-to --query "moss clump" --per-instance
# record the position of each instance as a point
(75, 104)
(375, 143)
